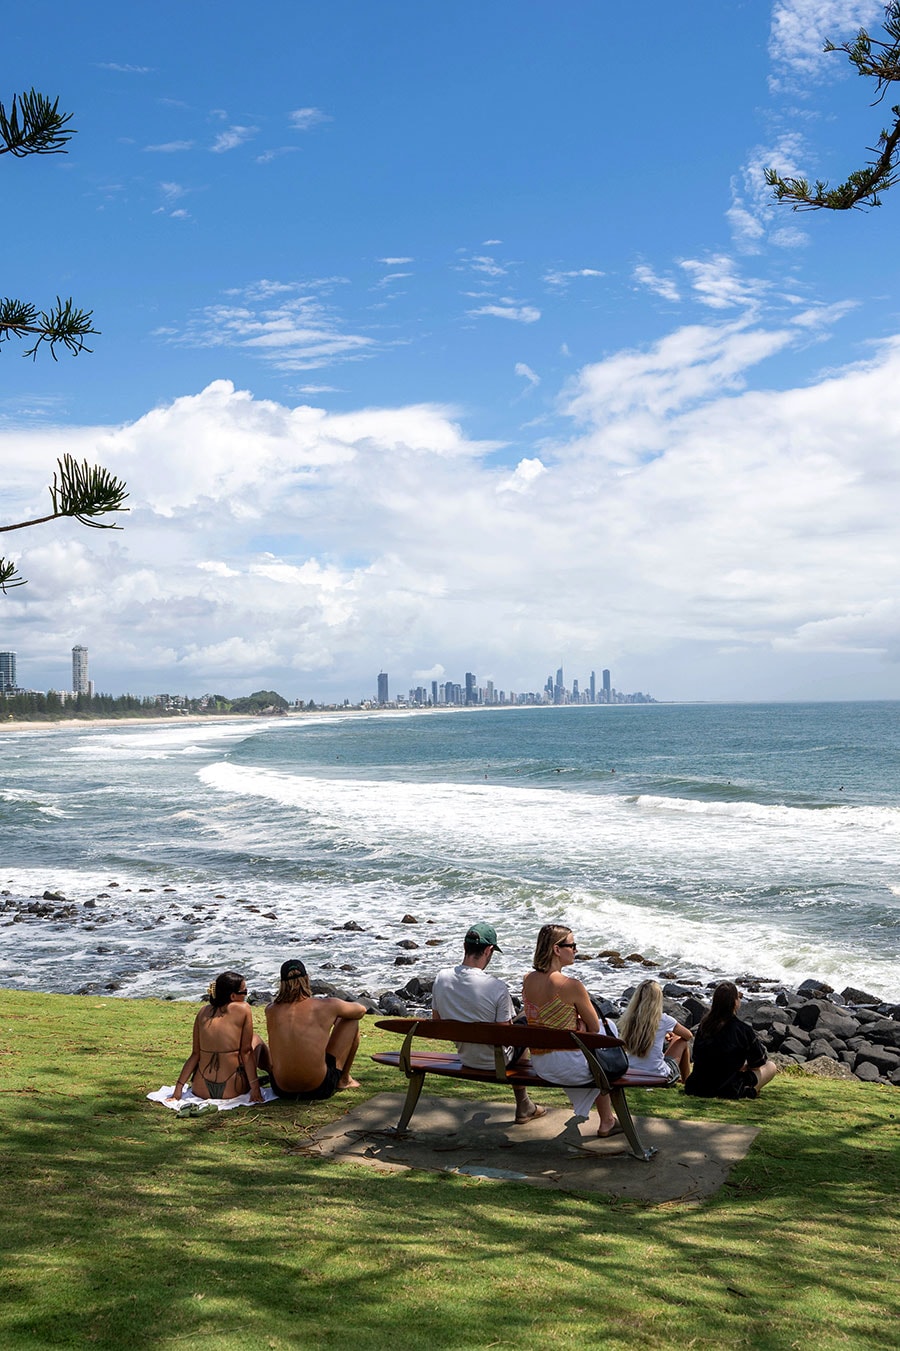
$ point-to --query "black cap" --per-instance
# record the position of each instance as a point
(292, 969)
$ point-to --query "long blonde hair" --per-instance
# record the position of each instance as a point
(640, 1021)
(547, 939)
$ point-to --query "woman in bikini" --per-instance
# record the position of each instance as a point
(226, 1055)
(553, 999)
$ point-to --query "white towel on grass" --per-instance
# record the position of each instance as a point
(190, 1099)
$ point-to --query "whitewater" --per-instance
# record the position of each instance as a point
(714, 840)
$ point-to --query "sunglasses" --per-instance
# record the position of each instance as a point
(573, 946)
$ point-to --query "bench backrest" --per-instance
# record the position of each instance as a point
(498, 1034)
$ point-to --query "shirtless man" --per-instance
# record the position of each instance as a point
(312, 1041)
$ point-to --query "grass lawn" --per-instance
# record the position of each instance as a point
(125, 1227)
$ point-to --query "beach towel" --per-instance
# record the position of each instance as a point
(189, 1099)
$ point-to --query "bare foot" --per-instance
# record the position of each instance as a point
(348, 1083)
(536, 1111)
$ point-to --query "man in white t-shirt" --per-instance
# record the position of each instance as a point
(467, 993)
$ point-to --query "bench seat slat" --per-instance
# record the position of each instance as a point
(446, 1063)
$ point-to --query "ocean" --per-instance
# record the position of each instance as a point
(714, 840)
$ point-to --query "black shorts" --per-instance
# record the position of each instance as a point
(327, 1088)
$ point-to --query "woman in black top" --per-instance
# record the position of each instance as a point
(729, 1058)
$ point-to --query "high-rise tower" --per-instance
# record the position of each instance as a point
(80, 683)
(383, 697)
(7, 671)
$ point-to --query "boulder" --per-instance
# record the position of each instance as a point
(333, 991)
(790, 1046)
(884, 1061)
(760, 1015)
(867, 1072)
(416, 987)
(886, 1032)
(820, 1048)
(818, 1013)
(674, 991)
(695, 1009)
(853, 996)
(407, 943)
(826, 1068)
(814, 988)
(392, 1006)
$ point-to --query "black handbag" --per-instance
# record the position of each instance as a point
(614, 1059)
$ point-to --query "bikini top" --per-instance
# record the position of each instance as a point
(552, 1014)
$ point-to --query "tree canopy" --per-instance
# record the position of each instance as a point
(877, 59)
(33, 125)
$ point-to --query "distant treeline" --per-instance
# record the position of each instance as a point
(51, 707)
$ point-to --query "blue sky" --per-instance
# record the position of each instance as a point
(456, 338)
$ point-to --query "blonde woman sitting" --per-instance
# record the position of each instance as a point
(655, 1042)
(553, 999)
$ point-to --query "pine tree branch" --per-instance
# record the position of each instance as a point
(878, 60)
(9, 575)
(64, 323)
(34, 126)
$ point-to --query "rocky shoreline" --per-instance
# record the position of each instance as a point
(850, 1034)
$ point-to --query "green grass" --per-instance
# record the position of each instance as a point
(125, 1227)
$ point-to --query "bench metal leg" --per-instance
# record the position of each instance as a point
(416, 1080)
(626, 1121)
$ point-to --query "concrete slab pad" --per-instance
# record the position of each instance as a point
(480, 1139)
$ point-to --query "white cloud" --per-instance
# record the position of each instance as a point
(562, 279)
(232, 138)
(717, 284)
(124, 69)
(435, 672)
(800, 27)
(281, 324)
(754, 215)
(287, 544)
(304, 119)
(661, 286)
(170, 147)
(527, 373)
(521, 314)
(396, 262)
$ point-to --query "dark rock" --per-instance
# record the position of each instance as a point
(610, 952)
(790, 1046)
(814, 988)
(635, 957)
(409, 919)
(325, 987)
(435, 942)
(268, 914)
(867, 1072)
(90, 905)
(819, 1014)
(352, 926)
(369, 1004)
(852, 996)
(54, 896)
(407, 943)
(403, 960)
(675, 991)
(257, 997)
(416, 987)
(695, 1009)
(886, 1032)
(392, 1006)
(821, 1047)
(894, 1077)
(760, 1015)
(627, 994)
(884, 1061)
(676, 1011)
(864, 1016)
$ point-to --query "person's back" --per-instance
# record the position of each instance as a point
(470, 995)
(467, 994)
(312, 1042)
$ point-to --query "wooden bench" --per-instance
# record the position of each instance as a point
(416, 1064)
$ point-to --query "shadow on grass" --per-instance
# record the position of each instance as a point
(135, 1228)
(132, 1228)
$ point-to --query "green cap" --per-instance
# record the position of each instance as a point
(485, 934)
